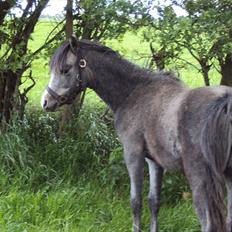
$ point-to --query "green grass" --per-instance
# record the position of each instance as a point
(77, 183)
(88, 206)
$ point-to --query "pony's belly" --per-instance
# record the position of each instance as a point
(164, 135)
(166, 158)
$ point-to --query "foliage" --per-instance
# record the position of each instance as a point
(104, 19)
(214, 16)
(162, 34)
(15, 56)
(173, 35)
(33, 151)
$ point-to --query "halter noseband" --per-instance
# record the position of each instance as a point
(73, 91)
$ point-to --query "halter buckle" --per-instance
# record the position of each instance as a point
(82, 63)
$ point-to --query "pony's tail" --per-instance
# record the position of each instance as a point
(216, 134)
(216, 141)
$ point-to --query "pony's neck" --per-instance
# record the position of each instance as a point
(113, 78)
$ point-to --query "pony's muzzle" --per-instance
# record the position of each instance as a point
(48, 103)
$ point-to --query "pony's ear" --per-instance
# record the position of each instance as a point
(73, 43)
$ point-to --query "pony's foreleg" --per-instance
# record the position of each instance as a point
(155, 176)
(135, 165)
(228, 177)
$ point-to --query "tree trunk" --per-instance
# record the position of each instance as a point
(69, 19)
(4, 7)
(2, 93)
(9, 78)
(205, 72)
(205, 67)
(68, 110)
(226, 70)
(158, 57)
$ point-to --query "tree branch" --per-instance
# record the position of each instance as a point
(26, 90)
(197, 68)
(44, 45)
(4, 8)
(55, 29)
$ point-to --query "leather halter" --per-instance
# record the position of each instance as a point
(73, 91)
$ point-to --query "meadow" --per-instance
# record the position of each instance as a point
(79, 183)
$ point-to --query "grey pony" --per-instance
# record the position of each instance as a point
(158, 119)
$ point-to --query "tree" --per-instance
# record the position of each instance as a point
(210, 35)
(161, 34)
(176, 35)
(15, 58)
(68, 110)
(196, 41)
(205, 33)
(106, 19)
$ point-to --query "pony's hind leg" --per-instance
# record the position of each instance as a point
(155, 175)
(135, 158)
(207, 197)
(228, 178)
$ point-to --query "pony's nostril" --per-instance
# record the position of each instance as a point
(49, 106)
(45, 103)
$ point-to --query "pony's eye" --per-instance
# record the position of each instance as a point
(65, 71)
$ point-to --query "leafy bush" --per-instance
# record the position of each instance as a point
(33, 155)
(33, 152)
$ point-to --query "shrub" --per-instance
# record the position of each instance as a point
(33, 152)
(34, 156)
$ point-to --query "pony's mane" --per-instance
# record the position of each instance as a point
(87, 44)
(58, 60)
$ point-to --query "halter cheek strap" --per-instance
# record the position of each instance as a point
(73, 91)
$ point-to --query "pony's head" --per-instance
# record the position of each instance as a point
(66, 76)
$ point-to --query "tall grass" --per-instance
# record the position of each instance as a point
(86, 207)
(75, 183)
(34, 151)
